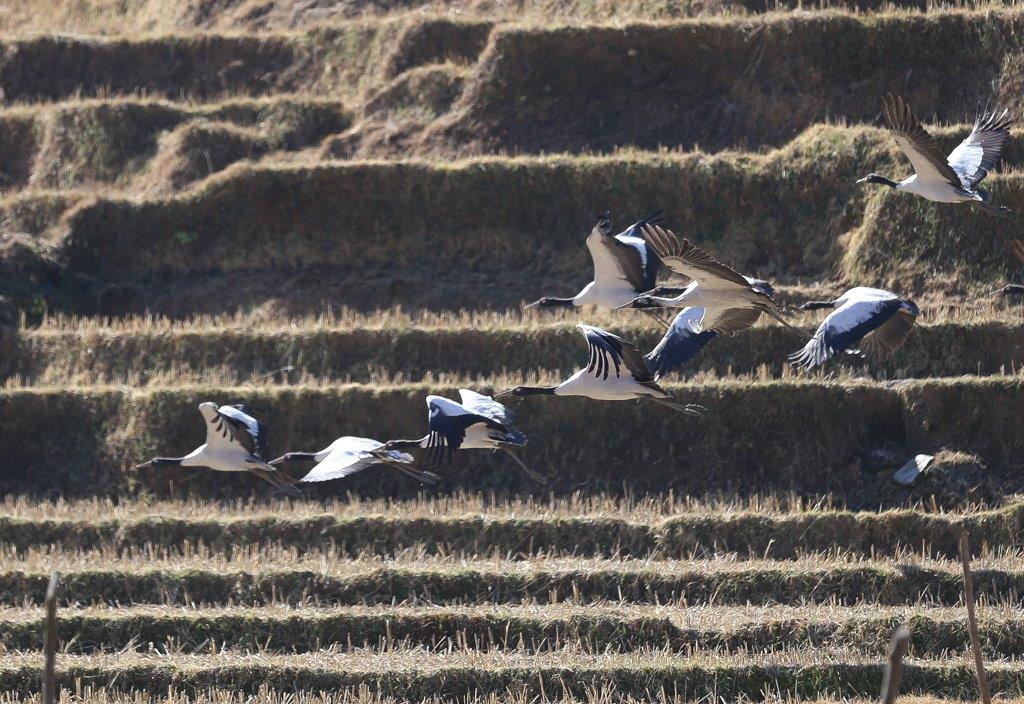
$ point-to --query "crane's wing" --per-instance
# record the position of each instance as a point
(486, 406)
(638, 263)
(733, 320)
(608, 350)
(843, 329)
(234, 424)
(683, 257)
(979, 152)
(888, 336)
(681, 343)
(446, 426)
(919, 146)
(348, 456)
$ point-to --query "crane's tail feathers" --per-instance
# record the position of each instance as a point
(538, 478)
(691, 409)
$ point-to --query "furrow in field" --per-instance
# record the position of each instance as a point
(416, 674)
(745, 533)
(326, 580)
(238, 355)
(938, 632)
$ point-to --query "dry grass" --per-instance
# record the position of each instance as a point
(416, 559)
(696, 616)
(424, 660)
(399, 319)
(577, 505)
(116, 17)
(101, 695)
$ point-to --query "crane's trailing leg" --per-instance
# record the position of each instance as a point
(539, 478)
(693, 409)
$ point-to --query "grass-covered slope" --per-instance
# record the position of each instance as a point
(830, 429)
(792, 213)
(472, 348)
(716, 83)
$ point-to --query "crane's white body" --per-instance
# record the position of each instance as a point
(615, 388)
(605, 294)
(936, 189)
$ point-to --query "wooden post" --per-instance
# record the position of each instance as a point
(894, 667)
(50, 647)
(972, 622)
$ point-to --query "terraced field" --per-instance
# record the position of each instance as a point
(329, 210)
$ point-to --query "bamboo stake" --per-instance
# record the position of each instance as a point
(894, 667)
(972, 622)
(50, 647)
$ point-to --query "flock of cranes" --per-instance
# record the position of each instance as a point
(717, 300)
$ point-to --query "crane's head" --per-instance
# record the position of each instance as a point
(604, 223)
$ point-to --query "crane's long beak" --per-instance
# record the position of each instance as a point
(863, 180)
(143, 465)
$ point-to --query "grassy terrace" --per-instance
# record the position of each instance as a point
(107, 428)
(329, 210)
(293, 219)
(767, 528)
(283, 629)
(214, 695)
(264, 576)
(298, 223)
(415, 674)
(472, 347)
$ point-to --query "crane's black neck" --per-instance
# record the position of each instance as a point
(165, 462)
(404, 444)
(549, 302)
(666, 291)
(1015, 289)
(294, 457)
(881, 180)
(817, 305)
(533, 391)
